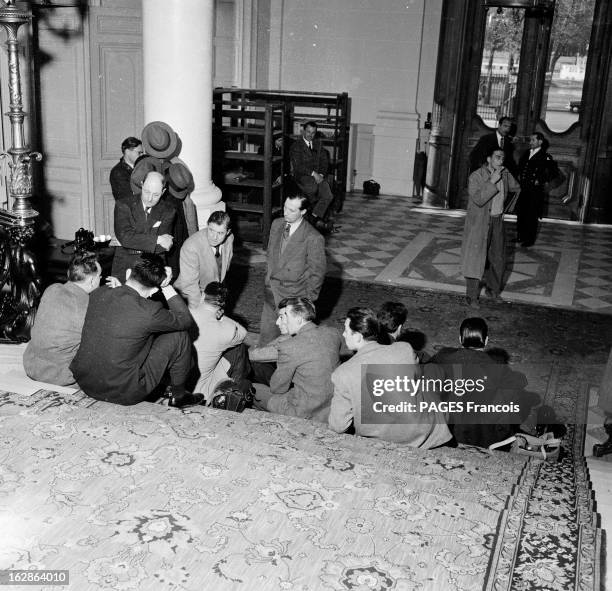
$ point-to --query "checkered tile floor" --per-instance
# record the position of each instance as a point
(392, 240)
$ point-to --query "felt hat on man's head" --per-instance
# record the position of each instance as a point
(180, 180)
(159, 140)
(144, 165)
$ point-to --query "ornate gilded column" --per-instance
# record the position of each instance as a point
(18, 267)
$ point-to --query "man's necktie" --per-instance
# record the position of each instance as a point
(501, 142)
(219, 261)
(285, 237)
(147, 212)
(310, 146)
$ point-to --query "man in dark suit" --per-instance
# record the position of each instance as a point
(129, 341)
(536, 170)
(500, 138)
(205, 257)
(296, 263)
(301, 386)
(309, 166)
(131, 148)
(143, 224)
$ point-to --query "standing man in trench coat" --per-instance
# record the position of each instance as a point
(483, 257)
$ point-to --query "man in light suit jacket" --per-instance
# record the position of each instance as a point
(205, 257)
(301, 386)
(309, 166)
(143, 224)
(296, 263)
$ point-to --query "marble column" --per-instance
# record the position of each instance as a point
(178, 79)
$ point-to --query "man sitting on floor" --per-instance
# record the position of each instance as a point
(56, 333)
(219, 344)
(301, 385)
(129, 341)
(361, 333)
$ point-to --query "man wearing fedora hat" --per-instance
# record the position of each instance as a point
(205, 257)
(143, 223)
(131, 148)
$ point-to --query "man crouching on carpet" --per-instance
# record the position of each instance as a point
(129, 341)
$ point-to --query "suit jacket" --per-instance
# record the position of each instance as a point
(213, 339)
(304, 161)
(424, 430)
(56, 334)
(119, 179)
(136, 231)
(300, 269)
(487, 142)
(119, 329)
(301, 385)
(199, 266)
(537, 171)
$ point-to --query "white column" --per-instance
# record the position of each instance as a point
(178, 78)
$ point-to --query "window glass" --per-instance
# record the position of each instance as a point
(568, 49)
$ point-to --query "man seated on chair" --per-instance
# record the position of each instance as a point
(56, 333)
(301, 385)
(309, 166)
(205, 257)
(362, 334)
(129, 341)
(219, 343)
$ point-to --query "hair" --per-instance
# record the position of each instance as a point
(221, 218)
(474, 332)
(149, 270)
(155, 172)
(391, 316)
(542, 138)
(310, 124)
(129, 143)
(504, 118)
(82, 265)
(365, 322)
(304, 201)
(302, 307)
(492, 151)
(215, 293)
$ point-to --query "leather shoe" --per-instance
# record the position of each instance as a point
(491, 294)
(185, 400)
(472, 303)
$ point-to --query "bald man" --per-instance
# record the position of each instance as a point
(143, 224)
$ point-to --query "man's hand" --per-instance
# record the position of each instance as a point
(112, 282)
(168, 278)
(165, 241)
(496, 176)
(319, 178)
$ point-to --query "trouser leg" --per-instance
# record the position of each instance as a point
(324, 199)
(472, 288)
(268, 330)
(496, 255)
(170, 351)
(240, 367)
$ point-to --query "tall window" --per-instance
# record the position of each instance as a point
(500, 63)
(569, 46)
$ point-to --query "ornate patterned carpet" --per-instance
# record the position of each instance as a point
(148, 497)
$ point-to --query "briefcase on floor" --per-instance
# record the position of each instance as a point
(371, 188)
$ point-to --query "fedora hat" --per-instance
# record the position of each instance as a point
(159, 139)
(180, 180)
(144, 165)
(177, 151)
